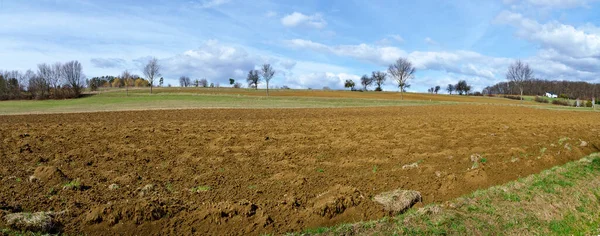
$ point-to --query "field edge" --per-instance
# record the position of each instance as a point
(561, 200)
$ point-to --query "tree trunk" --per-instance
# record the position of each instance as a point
(150, 88)
(267, 88)
(521, 95)
(401, 93)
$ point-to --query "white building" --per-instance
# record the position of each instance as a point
(550, 95)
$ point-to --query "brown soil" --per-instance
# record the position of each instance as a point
(246, 171)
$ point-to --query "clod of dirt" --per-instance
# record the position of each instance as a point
(94, 216)
(398, 201)
(475, 157)
(146, 189)
(410, 166)
(336, 200)
(42, 222)
(113, 186)
(48, 175)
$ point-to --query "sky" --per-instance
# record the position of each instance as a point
(310, 43)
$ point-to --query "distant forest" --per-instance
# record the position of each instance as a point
(564, 89)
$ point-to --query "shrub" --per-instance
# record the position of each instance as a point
(560, 102)
(588, 104)
(512, 97)
(541, 99)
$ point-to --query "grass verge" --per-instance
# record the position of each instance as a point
(564, 200)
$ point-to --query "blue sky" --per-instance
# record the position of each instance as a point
(312, 43)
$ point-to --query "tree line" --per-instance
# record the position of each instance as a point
(564, 89)
(400, 71)
(50, 81)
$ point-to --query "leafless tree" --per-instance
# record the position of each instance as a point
(378, 78)
(185, 81)
(151, 71)
(126, 76)
(253, 79)
(203, 83)
(366, 81)
(25, 78)
(402, 70)
(73, 74)
(38, 87)
(57, 75)
(518, 73)
(267, 73)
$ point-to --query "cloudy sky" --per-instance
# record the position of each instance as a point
(311, 43)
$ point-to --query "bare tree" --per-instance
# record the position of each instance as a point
(203, 83)
(253, 79)
(267, 73)
(518, 73)
(38, 87)
(73, 73)
(152, 70)
(402, 71)
(365, 81)
(378, 78)
(185, 81)
(126, 76)
(44, 76)
(56, 75)
(450, 88)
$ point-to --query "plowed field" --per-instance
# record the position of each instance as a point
(254, 171)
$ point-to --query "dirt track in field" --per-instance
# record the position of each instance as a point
(269, 170)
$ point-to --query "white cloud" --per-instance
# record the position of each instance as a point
(319, 80)
(299, 19)
(213, 60)
(365, 52)
(566, 39)
(108, 62)
(390, 39)
(397, 38)
(430, 41)
(461, 62)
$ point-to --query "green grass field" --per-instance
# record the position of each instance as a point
(190, 98)
(118, 101)
(564, 200)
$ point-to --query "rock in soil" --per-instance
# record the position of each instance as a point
(42, 222)
(398, 201)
